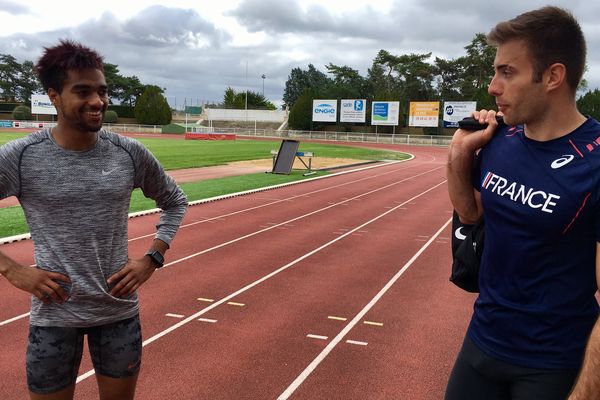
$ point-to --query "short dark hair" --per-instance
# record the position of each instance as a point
(52, 68)
(552, 35)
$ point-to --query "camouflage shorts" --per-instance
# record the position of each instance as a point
(54, 353)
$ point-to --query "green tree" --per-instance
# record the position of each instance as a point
(22, 113)
(301, 112)
(347, 83)
(28, 82)
(447, 74)
(152, 107)
(111, 117)
(299, 81)
(122, 89)
(10, 71)
(589, 104)
(478, 67)
(252, 100)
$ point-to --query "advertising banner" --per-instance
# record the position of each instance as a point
(40, 104)
(454, 111)
(31, 124)
(6, 124)
(324, 111)
(424, 113)
(353, 110)
(385, 112)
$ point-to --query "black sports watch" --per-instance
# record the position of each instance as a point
(157, 258)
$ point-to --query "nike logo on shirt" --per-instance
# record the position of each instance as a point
(104, 173)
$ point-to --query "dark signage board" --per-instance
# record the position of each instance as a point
(285, 156)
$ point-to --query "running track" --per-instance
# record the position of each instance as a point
(332, 289)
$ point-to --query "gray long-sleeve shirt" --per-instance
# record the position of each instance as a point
(76, 204)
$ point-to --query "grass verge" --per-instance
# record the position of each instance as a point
(12, 219)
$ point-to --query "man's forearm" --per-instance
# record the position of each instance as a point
(588, 382)
(460, 187)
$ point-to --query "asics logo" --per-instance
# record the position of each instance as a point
(104, 173)
(459, 235)
(561, 162)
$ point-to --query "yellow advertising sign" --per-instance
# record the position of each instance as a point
(424, 113)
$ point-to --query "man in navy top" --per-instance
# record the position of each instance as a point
(536, 181)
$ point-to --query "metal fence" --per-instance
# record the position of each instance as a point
(360, 137)
(423, 140)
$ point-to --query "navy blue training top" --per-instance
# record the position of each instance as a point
(541, 200)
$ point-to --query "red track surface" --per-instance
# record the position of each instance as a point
(294, 257)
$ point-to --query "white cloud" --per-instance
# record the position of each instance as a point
(196, 49)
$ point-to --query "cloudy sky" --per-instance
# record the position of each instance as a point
(196, 48)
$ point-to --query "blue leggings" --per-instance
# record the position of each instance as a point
(477, 376)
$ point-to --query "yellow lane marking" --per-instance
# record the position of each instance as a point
(206, 300)
(373, 323)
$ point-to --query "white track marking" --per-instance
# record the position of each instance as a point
(233, 303)
(337, 318)
(357, 342)
(174, 315)
(286, 222)
(8, 321)
(269, 276)
(205, 300)
(210, 321)
(319, 337)
(372, 323)
(288, 198)
(334, 342)
(298, 218)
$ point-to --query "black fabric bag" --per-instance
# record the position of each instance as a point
(467, 247)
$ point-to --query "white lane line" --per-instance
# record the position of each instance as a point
(319, 337)
(210, 220)
(174, 315)
(337, 318)
(372, 323)
(264, 278)
(233, 303)
(335, 341)
(8, 321)
(357, 342)
(210, 321)
(305, 216)
(293, 197)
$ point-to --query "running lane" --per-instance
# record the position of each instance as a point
(282, 294)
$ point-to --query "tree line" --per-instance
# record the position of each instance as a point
(406, 78)
(18, 81)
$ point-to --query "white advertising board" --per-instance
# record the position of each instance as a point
(385, 112)
(454, 111)
(324, 111)
(40, 104)
(353, 110)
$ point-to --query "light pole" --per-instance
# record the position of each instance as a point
(263, 76)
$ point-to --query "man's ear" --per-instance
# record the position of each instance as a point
(53, 95)
(555, 76)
